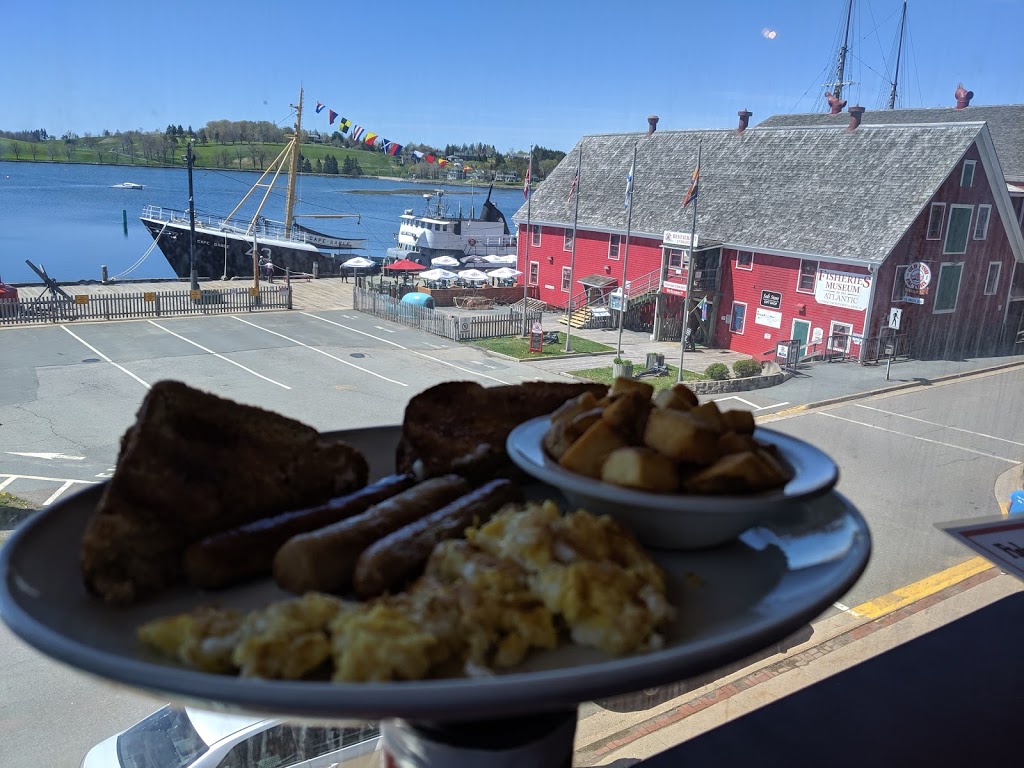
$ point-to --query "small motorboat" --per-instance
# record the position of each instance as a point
(127, 185)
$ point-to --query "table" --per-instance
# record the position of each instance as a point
(954, 696)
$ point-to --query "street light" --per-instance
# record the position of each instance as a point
(191, 223)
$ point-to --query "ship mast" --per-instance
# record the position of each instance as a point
(899, 52)
(837, 90)
(293, 169)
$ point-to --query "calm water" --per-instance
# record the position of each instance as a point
(67, 217)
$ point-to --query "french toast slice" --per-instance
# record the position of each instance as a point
(461, 427)
(195, 464)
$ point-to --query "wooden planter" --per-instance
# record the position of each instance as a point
(623, 370)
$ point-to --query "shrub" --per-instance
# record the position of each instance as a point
(746, 367)
(620, 361)
(717, 371)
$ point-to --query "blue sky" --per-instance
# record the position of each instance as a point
(505, 72)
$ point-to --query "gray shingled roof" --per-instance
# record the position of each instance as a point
(1005, 123)
(805, 190)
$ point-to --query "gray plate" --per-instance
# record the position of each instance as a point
(675, 520)
(746, 595)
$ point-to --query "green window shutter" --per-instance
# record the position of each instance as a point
(948, 288)
(958, 230)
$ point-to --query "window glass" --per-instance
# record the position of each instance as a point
(613, 246)
(535, 234)
(992, 278)
(566, 279)
(745, 260)
(981, 224)
(534, 272)
(899, 287)
(948, 287)
(808, 274)
(958, 229)
(967, 175)
(676, 258)
(739, 317)
(839, 336)
(567, 240)
(935, 216)
(166, 738)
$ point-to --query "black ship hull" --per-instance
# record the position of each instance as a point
(226, 254)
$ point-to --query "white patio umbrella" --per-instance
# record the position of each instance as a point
(472, 274)
(504, 273)
(509, 258)
(444, 261)
(357, 263)
(438, 274)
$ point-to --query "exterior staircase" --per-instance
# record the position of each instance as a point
(581, 318)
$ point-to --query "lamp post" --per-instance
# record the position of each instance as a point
(194, 276)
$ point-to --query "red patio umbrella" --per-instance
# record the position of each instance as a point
(404, 265)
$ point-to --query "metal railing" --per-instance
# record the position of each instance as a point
(119, 306)
(454, 327)
(265, 228)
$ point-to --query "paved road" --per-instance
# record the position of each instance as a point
(908, 459)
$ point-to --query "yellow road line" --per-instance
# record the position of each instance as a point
(899, 598)
(1004, 508)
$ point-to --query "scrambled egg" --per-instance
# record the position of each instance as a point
(483, 604)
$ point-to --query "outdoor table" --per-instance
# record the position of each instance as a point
(953, 696)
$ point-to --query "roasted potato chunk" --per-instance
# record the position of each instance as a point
(586, 456)
(710, 414)
(674, 399)
(741, 422)
(731, 442)
(681, 437)
(641, 468)
(581, 422)
(623, 385)
(557, 439)
(686, 392)
(627, 415)
(572, 408)
(735, 473)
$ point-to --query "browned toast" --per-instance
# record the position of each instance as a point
(194, 464)
(461, 427)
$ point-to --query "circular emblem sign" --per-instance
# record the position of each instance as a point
(918, 276)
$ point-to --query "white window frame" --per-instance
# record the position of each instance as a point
(832, 332)
(535, 234)
(938, 283)
(931, 218)
(732, 318)
(534, 275)
(995, 281)
(568, 235)
(979, 220)
(614, 241)
(800, 272)
(949, 223)
(566, 284)
(682, 258)
(963, 173)
(899, 285)
(739, 265)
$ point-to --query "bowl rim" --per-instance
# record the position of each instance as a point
(525, 448)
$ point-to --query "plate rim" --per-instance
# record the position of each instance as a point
(443, 699)
(529, 455)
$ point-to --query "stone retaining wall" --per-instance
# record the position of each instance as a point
(711, 387)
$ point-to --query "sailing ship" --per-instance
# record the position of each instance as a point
(235, 246)
(435, 233)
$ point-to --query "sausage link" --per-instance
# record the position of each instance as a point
(324, 559)
(247, 552)
(393, 560)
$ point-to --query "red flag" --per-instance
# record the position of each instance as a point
(691, 194)
(574, 187)
(526, 183)
(331, 116)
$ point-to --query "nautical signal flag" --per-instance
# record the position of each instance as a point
(629, 186)
(575, 186)
(526, 182)
(319, 107)
(691, 193)
(332, 116)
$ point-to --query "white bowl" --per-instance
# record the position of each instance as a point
(675, 520)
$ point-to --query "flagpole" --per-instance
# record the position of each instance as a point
(625, 257)
(689, 269)
(572, 257)
(529, 237)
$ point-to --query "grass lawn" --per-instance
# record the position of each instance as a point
(604, 375)
(518, 347)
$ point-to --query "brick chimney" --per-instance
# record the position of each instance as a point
(652, 124)
(744, 120)
(835, 105)
(856, 113)
(963, 96)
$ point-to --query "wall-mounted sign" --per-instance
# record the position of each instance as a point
(895, 314)
(918, 277)
(842, 289)
(680, 238)
(768, 317)
(817, 335)
(674, 289)
(771, 299)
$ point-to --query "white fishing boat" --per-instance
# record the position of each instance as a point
(127, 185)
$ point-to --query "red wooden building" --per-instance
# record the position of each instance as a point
(814, 233)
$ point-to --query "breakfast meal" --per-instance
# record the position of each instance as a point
(529, 579)
(194, 465)
(664, 443)
(461, 427)
(440, 569)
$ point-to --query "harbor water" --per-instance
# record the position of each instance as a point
(70, 219)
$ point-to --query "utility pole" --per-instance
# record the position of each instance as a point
(194, 276)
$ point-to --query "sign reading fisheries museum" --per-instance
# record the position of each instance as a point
(842, 289)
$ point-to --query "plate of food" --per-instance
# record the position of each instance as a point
(401, 571)
(678, 474)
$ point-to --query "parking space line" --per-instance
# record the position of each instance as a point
(7, 482)
(413, 351)
(57, 494)
(320, 351)
(923, 439)
(219, 355)
(100, 354)
(936, 424)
